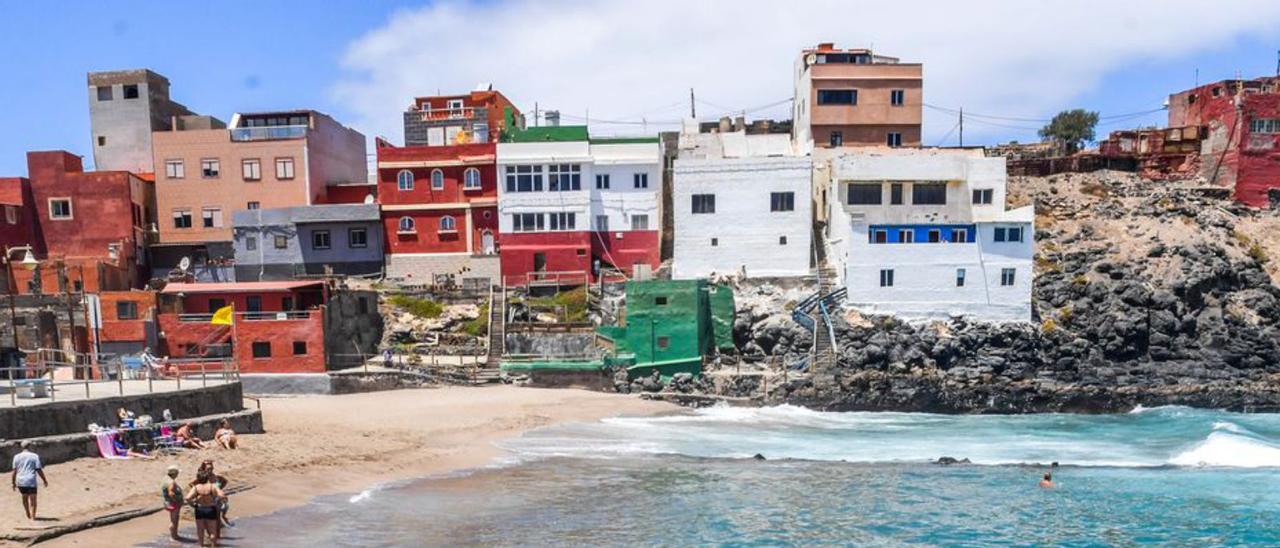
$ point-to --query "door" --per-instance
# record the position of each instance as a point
(486, 242)
(539, 262)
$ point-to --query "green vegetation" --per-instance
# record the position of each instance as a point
(570, 305)
(478, 327)
(1258, 254)
(422, 308)
(1071, 128)
(1049, 326)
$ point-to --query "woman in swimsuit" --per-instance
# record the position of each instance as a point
(204, 497)
(171, 492)
(225, 436)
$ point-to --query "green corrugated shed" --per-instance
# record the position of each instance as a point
(671, 324)
(722, 313)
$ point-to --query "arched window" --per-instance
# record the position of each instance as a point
(406, 224)
(404, 180)
(437, 179)
(471, 179)
(447, 224)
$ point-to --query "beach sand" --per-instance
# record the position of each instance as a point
(317, 445)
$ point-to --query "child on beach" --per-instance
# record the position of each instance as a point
(171, 493)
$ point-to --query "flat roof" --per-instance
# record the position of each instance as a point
(225, 287)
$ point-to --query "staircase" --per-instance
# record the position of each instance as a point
(824, 345)
(497, 328)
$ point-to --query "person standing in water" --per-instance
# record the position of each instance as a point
(204, 496)
(1047, 481)
(171, 494)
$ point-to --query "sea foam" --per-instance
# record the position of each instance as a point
(1224, 448)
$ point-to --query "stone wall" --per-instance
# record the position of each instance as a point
(71, 417)
(551, 344)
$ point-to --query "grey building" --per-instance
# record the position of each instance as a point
(125, 106)
(290, 242)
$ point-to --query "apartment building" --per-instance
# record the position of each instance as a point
(742, 205)
(856, 98)
(925, 233)
(125, 107)
(474, 117)
(571, 205)
(292, 242)
(205, 171)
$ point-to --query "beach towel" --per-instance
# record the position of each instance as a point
(107, 445)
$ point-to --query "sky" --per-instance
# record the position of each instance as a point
(626, 66)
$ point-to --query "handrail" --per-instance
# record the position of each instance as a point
(102, 373)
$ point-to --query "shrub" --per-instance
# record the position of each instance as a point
(478, 327)
(422, 308)
(1258, 254)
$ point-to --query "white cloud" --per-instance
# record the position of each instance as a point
(628, 60)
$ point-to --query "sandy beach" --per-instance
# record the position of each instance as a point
(316, 445)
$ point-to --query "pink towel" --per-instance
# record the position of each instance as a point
(107, 446)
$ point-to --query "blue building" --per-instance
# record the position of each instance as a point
(292, 242)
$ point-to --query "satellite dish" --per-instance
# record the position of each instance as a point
(368, 199)
(810, 59)
(184, 264)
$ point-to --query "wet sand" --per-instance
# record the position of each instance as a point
(316, 445)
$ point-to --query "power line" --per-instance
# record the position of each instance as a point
(971, 114)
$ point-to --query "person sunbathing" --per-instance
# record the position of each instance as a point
(225, 436)
(186, 437)
(125, 450)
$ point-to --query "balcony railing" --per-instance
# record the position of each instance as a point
(441, 114)
(249, 316)
(268, 133)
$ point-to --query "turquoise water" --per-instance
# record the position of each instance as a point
(1170, 476)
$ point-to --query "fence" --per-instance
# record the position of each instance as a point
(41, 374)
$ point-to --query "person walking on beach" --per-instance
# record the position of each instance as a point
(171, 493)
(204, 497)
(26, 467)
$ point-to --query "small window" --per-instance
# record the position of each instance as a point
(212, 217)
(886, 277)
(251, 170)
(782, 201)
(261, 349)
(11, 214)
(960, 277)
(217, 303)
(282, 242)
(602, 181)
(895, 194)
(602, 223)
(253, 205)
(182, 218)
(210, 168)
(102, 140)
(906, 236)
(640, 180)
(704, 203)
(127, 310)
(299, 348)
(983, 195)
(562, 220)
(836, 139)
(251, 243)
(863, 194)
(837, 97)
(782, 240)
(1007, 276)
(320, 239)
(960, 236)
(581, 252)
(404, 180)
(284, 168)
(660, 301)
(448, 224)
(935, 235)
(174, 169)
(1000, 234)
(639, 222)
(664, 343)
(879, 236)
(131, 91)
(893, 139)
(104, 93)
(437, 180)
(715, 242)
(897, 97)
(362, 305)
(1015, 234)
(357, 237)
(60, 208)
(929, 194)
(471, 179)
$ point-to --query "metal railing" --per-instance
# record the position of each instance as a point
(42, 374)
(463, 113)
(250, 316)
(267, 133)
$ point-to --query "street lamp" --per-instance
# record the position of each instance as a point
(28, 262)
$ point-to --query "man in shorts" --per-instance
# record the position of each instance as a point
(26, 468)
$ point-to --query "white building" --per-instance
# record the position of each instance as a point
(925, 233)
(742, 205)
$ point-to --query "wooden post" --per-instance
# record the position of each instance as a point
(87, 373)
(120, 375)
(204, 379)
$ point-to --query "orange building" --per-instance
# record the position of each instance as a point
(853, 97)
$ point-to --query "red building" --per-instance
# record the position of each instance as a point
(94, 223)
(1241, 134)
(278, 326)
(18, 226)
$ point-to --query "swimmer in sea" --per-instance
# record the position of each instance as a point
(1047, 481)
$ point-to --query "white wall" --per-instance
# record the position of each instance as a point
(622, 200)
(747, 231)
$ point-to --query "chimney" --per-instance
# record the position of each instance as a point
(726, 125)
(826, 46)
(552, 117)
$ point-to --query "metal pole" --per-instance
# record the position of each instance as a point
(204, 379)
(120, 375)
(87, 374)
(150, 377)
(13, 388)
(177, 374)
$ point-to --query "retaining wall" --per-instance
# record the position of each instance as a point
(73, 417)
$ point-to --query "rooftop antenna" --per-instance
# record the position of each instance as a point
(1197, 78)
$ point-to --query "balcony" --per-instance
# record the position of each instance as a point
(446, 114)
(268, 133)
(249, 316)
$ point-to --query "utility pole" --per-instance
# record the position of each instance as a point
(535, 114)
(693, 110)
(1278, 62)
(961, 127)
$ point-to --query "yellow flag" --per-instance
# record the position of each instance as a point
(222, 316)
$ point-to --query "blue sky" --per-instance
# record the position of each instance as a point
(363, 61)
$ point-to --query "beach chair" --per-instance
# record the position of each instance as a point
(164, 441)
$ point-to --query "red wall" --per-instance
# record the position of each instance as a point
(564, 251)
(272, 301)
(16, 192)
(422, 193)
(1251, 160)
(102, 211)
(635, 246)
(279, 333)
(427, 237)
(348, 194)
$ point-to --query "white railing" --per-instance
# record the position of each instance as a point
(40, 375)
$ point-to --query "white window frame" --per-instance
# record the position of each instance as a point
(251, 169)
(640, 180)
(893, 139)
(407, 225)
(471, 179)
(983, 196)
(960, 231)
(284, 169)
(213, 216)
(527, 222)
(437, 179)
(351, 240)
(640, 221)
(602, 223)
(174, 169)
(183, 212)
(897, 97)
(1008, 277)
(327, 236)
(11, 214)
(910, 236)
(448, 224)
(602, 181)
(71, 212)
(210, 168)
(404, 180)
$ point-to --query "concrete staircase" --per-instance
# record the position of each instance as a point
(824, 349)
(497, 330)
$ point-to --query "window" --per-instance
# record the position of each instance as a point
(131, 91)
(865, 194)
(895, 194)
(437, 179)
(104, 93)
(664, 342)
(320, 239)
(102, 140)
(782, 201)
(217, 303)
(251, 243)
(11, 214)
(209, 168)
(960, 236)
(524, 178)
(448, 224)
(60, 208)
(253, 303)
(897, 97)
(879, 236)
(893, 139)
(639, 222)
(299, 348)
(284, 168)
(357, 237)
(640, 180)
(982, 195)
(906, 235)
(1008, 234)
(704, 203)
(959, 277)
(1007, 276)
(127, 310)
(1001, 234)
(471, 179)
(526, 222)
(252, 205)
(886, 277)
(251, 170)
(282, 242)
(935, 235)
(602, 181)
(715, 242)
(563, 177)
(602, 223)
(1271, 125)
(182, 218)
(404, 180)
(261, 349)
(406, 225)
(562, 221)
(837, 138)
(212, 217)
(173, 169)
(782, 240)
(455, 104)
(929, 194)
(837, 97)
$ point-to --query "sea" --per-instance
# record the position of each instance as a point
(1162, 476)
